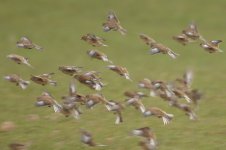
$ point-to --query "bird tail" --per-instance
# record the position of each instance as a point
(118, 118)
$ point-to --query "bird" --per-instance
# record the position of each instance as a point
(155, 111)
(19, 59)
(122, 71)
(195, 95)
(146, 39)
(43, 79)
(160, 48)
(98, 55)
(186, 108)
(117, 108)
(147, 84)
(133, 94)
(113, 23)
(93, 40)
(90, 79)
(17, 146)
(73, 95)
(14, 78)
(136, 102)
(26, 43)
(93, 99)
(211, 46)
(150, 138)
(192, 32)
(183, 39)
(87, 138)
(70, 70)
(46, 99)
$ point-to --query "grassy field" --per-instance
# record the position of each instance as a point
(58, 26)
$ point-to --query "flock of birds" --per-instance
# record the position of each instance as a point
(172, 92)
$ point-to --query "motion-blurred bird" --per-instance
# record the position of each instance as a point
(117, 108)
(93, 40)
(90, 79)
(158, 113)
(147, 145)
(46, 99)
(147, 39)
(70, 70)
(26, 43)
(98, 55)
(136, 103)
(93, 99)
(183, 39)
(18, 146)
(14, 78)
(150, 138)
(132, 94)
(160, 48)
(43, 79)
(147, 84)
(113, 23)
(19, 59)
(87, 138)
(122, 71)
(211, 46)
(192, 32)
(187, 109)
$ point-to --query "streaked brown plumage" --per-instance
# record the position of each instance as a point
(113, 23)
(26, 43)
(93, 40)
(98, 55)
(122, 71)
(45, 99)
(132, 94)
(211, 46)
(136, 103)
(70, 70)
(160, 48)
(14, 78)
(93, 99)
(19, 59)
(43, 79)
(158, 113)
(146, 39)
(183, 39)
(90, 79)
(192, 32)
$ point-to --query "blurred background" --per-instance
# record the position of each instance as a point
(58, 27)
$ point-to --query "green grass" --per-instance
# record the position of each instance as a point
(58, 26)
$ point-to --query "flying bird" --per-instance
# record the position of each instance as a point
(43, 79)
(90, 79)
(93, 40)
(70, 70)
(122, 71)
(26, 43)
(211, 46)
(183, 39)
(158, 113)
(117, 108)
(147, 39)
(19, 59)
(113, 23)
(87, 138)
(14, 78)
(98, 55)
